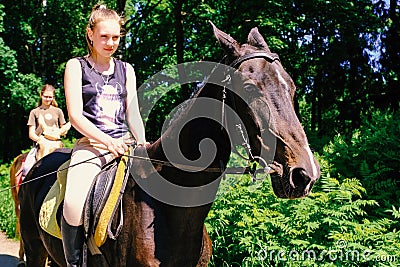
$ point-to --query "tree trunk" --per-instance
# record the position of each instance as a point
(179, 40)
(121, 6)
(393, 50)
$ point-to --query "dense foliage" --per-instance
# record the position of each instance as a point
(343, 55)
(332, 227)
(7, 214)
(371, 155)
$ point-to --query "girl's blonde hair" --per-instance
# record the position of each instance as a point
(48, 87)
(99, 13)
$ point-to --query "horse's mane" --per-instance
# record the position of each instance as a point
(185, 105)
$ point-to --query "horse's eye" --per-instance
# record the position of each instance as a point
(249, 87)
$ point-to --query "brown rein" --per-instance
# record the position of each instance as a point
(160, 163)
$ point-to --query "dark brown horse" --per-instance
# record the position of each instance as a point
(48, 145)
(164, 217)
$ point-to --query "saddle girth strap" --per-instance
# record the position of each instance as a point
(113, 200)
(127, 170)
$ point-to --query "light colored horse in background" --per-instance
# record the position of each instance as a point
(52, 138)
(50, 142)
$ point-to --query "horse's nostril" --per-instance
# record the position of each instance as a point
(299, 178)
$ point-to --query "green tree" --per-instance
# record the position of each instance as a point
(390, 95)
(336, 74)
(326, 46)
(18, 95)
(37, 39)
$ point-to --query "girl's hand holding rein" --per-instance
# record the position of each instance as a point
(116, 146)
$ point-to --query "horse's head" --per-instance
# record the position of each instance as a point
(52, 138)
(47, 146)
(268, 114)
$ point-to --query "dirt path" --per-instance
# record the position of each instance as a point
(8, 251)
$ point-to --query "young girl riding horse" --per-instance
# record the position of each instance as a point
(102, 105)
(46, 115)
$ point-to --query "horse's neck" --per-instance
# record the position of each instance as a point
(198, 129)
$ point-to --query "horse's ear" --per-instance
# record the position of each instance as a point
(65, 128)
(256, 39)
(230, 45)
(41, 122)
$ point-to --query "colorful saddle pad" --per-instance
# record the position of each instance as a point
(48, 211)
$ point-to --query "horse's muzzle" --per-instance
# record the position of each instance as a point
(292, 183)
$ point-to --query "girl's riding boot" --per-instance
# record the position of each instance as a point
(72, 239)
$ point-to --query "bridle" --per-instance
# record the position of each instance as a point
(270, 57)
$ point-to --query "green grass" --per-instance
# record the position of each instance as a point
(7, 214)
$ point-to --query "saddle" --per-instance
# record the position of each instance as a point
(103, 200)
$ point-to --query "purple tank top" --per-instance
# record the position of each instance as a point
(104, 98)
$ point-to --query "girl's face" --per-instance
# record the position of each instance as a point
(105, 36)
(47, 97)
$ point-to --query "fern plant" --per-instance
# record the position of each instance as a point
(371, 156)
(331, 227)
